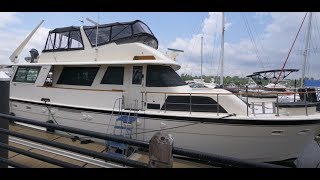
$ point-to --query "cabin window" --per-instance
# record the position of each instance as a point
(79, 76)
(26, 74)
(64, 39)
(137, 75)
(113, 75)
(162, 76)
(193, 104)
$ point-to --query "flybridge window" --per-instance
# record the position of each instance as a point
(103, 35)
(79, 76)
(64, 39)
(121, 33)
(113, 75)
(162, 76)
(26, 74)
(140, 27)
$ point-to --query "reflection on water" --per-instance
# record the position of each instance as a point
(310, 158)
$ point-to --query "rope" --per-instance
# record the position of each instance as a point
(252, 40)
(290, 50)
(85, 141)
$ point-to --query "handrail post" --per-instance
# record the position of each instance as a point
(263, 107)
(165, 104)
(253, 110)
(146, 100)
(218, 105)
(277, 104)
(247, 105)
(273, 107)
(4, 109)
(190, 104)
(305, 102)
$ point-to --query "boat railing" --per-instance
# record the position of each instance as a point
(267, 106)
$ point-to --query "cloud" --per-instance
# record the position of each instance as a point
(240, 58)
(8, 18)
(11, 39)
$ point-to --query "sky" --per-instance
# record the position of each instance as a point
(253, 41)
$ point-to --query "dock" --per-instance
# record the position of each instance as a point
(76, 159)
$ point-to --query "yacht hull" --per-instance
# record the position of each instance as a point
(256, 140)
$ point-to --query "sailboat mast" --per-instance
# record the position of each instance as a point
(222, 51)
(201, 55)
(305, 54)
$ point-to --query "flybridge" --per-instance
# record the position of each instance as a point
(69, 38)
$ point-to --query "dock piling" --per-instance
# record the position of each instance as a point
(4, 109)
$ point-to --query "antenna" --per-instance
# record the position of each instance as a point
(96, 24)
(16, 53)
(175, 52)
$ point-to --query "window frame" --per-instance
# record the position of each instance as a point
(104, 78)
(68, 41)
(150, 81)
(58, 82)
(141, 80)
(28, 68)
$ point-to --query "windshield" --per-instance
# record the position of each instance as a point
(163, 76)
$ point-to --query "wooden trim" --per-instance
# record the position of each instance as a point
(144, 58)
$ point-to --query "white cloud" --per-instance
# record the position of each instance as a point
(11, 39)
(7, 18)
(240, 57)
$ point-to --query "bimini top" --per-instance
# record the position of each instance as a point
(69, 38)
(271, 75)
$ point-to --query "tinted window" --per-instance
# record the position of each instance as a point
(114, 75)
(81, 76)
(198, 104)
(163, 76)
(137, 75)
(26, 74)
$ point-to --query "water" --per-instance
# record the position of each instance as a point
(310, 158)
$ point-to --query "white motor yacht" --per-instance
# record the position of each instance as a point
(116, 81)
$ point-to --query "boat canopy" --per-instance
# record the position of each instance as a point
(271, 75)
(126, 32)
(64, 39)
(69, 38)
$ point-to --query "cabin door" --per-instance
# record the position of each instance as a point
(136, 87)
